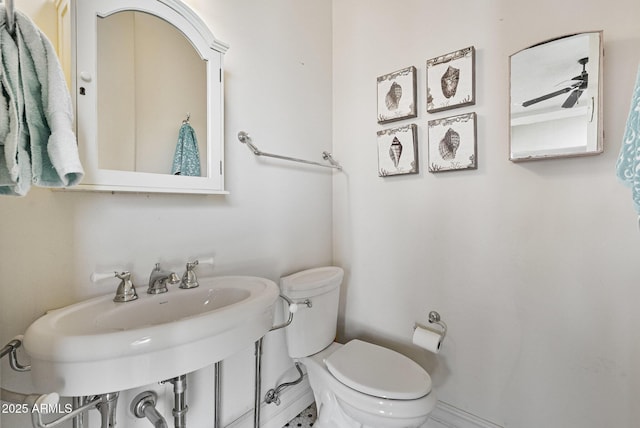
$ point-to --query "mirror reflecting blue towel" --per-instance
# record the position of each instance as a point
(186, 160)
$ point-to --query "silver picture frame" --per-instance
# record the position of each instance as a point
(451, 80)
(398, 151)
(452, 143)
(397, 95)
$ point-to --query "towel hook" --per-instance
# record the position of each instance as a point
(11, 16)
(187, 119)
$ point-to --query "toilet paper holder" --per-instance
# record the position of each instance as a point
(434, 318)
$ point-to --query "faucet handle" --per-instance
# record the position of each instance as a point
(206, 261)
(126, 291)
(189, 279)
(99, 276)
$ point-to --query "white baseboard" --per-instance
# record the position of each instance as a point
(447, 416)
(293, 400)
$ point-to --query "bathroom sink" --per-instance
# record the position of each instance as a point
(98, 346)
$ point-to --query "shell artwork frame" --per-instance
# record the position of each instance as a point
(452, 143)
(397, 95)
(398, 151)
(451, 80)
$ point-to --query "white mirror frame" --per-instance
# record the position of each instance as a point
(84, 15)
(547, 122)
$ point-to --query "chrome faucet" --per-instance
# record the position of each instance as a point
(126, 291)
(189, 279)
(159, 278)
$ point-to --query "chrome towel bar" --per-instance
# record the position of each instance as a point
(246, 139)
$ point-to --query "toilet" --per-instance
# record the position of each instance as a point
(358, 384)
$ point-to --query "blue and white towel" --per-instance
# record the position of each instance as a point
(628, 165)
(37, 142)
(186, 160)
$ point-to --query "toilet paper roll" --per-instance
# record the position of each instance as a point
(427, 339)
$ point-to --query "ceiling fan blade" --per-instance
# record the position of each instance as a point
(546, 97)
(572, 99)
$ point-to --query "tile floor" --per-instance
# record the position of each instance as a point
(305, 419)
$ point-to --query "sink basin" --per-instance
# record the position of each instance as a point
(98, 346)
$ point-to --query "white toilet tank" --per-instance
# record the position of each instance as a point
(314, 328)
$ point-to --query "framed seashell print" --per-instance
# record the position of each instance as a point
(397, 95)
(452, 143)
(398, 151)
(451, 80)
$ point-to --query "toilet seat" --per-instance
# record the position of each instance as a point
(378, 371)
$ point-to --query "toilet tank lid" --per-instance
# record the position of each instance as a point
(312, 281)
(378, 371)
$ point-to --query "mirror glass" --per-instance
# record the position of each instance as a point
(556, 98)
(143, 71)
(150, 78)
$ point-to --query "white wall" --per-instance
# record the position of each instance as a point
(276, 220)
(534, 266)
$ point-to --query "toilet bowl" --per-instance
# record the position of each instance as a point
(358, 384)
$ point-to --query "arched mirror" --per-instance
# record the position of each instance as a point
(556, 98)
(148, 88)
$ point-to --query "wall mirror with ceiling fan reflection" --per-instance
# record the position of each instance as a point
(556, 98)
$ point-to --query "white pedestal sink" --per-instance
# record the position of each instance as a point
(98, 346)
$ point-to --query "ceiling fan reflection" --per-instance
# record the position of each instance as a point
(576, 89)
